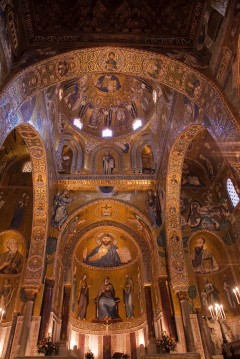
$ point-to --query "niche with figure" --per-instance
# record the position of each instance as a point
(12, 257)
(65, 160)
(107, 162)
(148, 164)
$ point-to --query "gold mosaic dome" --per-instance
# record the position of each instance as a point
(93, 103)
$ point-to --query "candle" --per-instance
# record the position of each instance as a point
(210, 308)
(237, 294)
(2, 311)
(217, 311)
(222, 311)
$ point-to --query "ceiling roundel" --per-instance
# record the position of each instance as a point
(93, 103)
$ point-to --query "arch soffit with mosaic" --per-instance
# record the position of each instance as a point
(178, 270)
(33, 277)
(79, 213)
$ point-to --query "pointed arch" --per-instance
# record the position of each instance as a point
(178, 271)
(33, 275)
(233, 195)
(137, 151)
(141, 232)
(69, 141)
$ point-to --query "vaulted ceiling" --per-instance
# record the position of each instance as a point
(142, 23)
(51, 27)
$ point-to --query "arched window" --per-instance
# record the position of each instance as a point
(148, 165)
(27, 166)
(232, 192)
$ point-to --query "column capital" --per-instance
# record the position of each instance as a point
(15, 314)
(30, 293)
(67, 289)
(49, 282)
(162, 280)
(183, 296)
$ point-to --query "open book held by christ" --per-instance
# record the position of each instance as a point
(124, 255)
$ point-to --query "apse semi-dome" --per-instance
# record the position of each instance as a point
(94, 103)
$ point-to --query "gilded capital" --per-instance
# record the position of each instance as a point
(183, 296)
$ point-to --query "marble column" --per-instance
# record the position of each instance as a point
(46, 308)
(11, 335)
(149, 311)
(133, 345)
(206, 339)
(31, 295)
(186, 309)
(81, 345)
(167, 308)
(65, 312)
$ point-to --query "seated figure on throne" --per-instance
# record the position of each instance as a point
(108, 83)
(107, 304)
